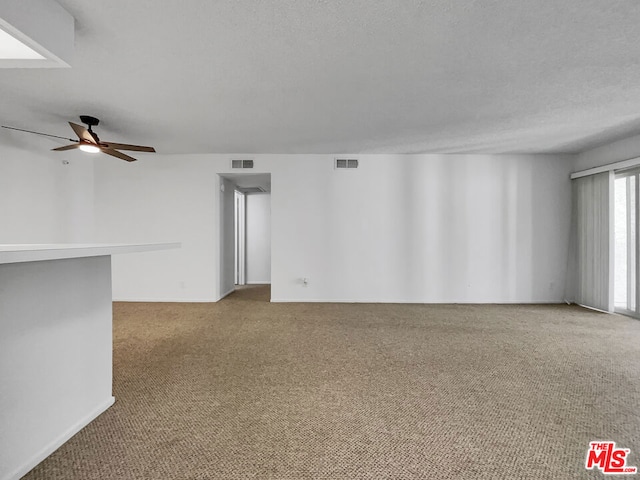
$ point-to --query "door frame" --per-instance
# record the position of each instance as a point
(240, 227)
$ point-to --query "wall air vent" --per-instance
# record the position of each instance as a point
(241, 163)
(346, 163)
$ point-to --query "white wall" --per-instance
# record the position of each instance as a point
(258, 237)
(401, 228)
(161, 198)
(620, 150)
(423, 228)
(42, 200)
(430, 228)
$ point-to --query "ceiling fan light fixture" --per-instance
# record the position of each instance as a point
(86, 147)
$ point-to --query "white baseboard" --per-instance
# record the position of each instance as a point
(335, 300)
(416, 302)
(264, 282)
(593, 308)
(228, 292)
(166, 300)
(338, 300)
(59, 441)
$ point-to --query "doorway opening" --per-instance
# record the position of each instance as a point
(245, 231)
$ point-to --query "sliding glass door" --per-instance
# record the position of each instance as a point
(626, 243)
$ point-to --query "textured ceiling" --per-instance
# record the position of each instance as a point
(327, 76)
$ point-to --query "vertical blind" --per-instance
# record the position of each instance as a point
(593, 223)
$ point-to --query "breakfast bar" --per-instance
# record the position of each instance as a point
(55, 345)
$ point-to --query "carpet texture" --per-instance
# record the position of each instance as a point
(245, 389)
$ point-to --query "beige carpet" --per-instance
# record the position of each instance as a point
(246, 389)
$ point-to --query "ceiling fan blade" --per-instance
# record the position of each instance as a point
(66, 147)
(117, 154)
(38, 133)
(124, 146)
(83, 133)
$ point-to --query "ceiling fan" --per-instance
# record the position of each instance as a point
(88, 140)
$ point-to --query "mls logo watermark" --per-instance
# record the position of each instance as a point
(609, 459)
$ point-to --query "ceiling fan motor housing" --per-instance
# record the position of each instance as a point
(89, 120)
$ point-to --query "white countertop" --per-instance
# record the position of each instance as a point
(37, 252)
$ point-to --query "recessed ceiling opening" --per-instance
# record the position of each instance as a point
(13, 49)
(36, 34)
